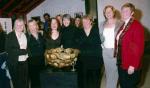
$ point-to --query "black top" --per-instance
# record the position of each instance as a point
(2, 41)
(68, 34)
(36, 46)
(36, 49)
(51, 43)
(90, 48)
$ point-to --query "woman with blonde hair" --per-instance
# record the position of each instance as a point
(16, 47)
(36, 47)
(108, 30)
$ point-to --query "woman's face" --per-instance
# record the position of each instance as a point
(109, 14)
(54, 24)
(19, 26)
(59, 18)
(66, 22)
(126, 13)
(33, 27)
(86, 23)
(77, 22)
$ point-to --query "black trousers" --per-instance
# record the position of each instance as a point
(36, 65)
(34, 74)
(128, 81)
(88, 78)
(19, 74)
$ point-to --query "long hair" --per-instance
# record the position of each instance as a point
(89, 17)
(19, 20)
(112, 8)
(50, 29)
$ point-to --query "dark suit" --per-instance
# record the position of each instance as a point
(90, 58)
(18, 70)
(36, 59)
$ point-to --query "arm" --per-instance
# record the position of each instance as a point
(136, 47)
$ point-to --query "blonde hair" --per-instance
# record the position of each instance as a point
(88, 17)
(19, 20)
(129, 5)
(112, 8)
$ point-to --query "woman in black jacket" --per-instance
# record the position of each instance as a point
(36, 53)
(68, 32)
(90, 58)
(16, 47)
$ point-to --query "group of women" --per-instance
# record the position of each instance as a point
(118, 44)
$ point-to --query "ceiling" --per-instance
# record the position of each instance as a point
(18, 7)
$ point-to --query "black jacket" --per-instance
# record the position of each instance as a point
(13, 48)
(90, 48)
(36, 49)
(68, 35)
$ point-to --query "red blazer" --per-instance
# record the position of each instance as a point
(132, 46)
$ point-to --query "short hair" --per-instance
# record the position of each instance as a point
(67, 16)
(32, 20)
(88, 17)
(109, 6)
(129, 5)
(46, 14)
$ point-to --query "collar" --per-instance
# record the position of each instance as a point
(126, 21)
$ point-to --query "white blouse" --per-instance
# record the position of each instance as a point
(23, 45)
(109, 37)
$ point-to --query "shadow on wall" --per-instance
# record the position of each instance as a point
(138, 14)
(147, 34)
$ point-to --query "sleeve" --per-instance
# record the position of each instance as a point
(11, 47)
(137, 46)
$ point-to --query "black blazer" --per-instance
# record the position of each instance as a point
(13, 49)
(90, 48)
(68, 34)
(36, 49)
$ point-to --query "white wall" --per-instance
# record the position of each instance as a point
(142, 5)
(55, 7)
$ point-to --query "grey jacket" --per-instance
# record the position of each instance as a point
(118, 24)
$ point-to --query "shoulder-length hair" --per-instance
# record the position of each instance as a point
(19, 20)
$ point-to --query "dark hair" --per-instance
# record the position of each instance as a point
(58, 29)
(32, 20)
(78, 17)
(46, 14)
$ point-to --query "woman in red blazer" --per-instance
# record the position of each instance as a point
(129, 48)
